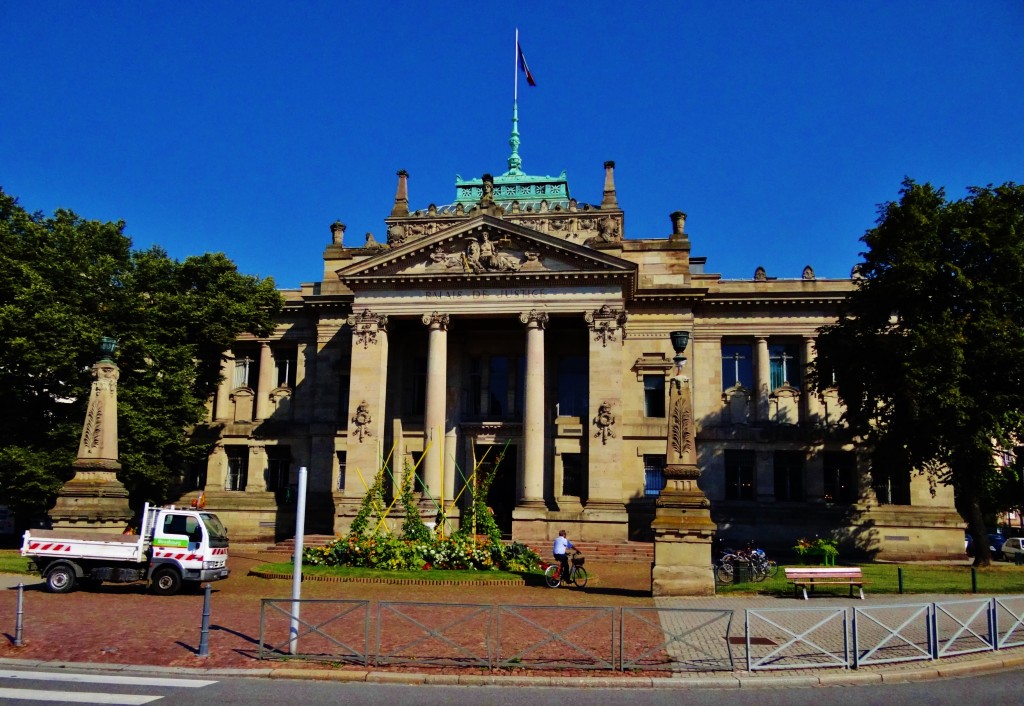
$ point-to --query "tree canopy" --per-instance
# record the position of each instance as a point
(928, 356)
(64, 283)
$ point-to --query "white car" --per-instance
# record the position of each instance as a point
(1013, 548)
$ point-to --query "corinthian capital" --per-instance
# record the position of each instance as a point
(436, 319)
(533, 316)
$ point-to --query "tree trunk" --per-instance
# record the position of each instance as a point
(979, 535)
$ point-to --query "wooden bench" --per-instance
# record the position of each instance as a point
(812, 576)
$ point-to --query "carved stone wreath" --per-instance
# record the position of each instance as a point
(604, 322)
(366, 325)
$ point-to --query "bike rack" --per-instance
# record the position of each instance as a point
(473, 624)
(906, 634)
(693, 639)
(550, 623)
(308, 628)
(799, 648)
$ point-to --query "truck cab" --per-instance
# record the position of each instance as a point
(188, 546)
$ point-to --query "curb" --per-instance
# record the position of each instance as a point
(744, 681)
(406, 582)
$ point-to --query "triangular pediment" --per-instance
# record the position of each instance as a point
(484, 247)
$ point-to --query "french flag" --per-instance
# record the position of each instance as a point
(523, 67)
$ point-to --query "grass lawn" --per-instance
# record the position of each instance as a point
(917, 578)
(285, 568)
(11, 562)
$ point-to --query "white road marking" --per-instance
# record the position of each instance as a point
(105, 679)
(82, 697)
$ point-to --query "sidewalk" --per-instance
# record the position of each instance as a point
(121, 626)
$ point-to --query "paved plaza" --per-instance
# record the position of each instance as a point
(612, 630)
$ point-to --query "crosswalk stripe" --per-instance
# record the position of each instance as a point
(105, 679)
(81, 697)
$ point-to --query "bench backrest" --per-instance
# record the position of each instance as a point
(824, 572)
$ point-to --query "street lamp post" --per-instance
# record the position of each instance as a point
(683, 530)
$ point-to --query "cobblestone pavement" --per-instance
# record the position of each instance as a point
(532, 629)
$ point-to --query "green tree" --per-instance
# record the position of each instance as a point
(64, 283)
(929, 355)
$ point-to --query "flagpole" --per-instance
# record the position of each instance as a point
(515, 70)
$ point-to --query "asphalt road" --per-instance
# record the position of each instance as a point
(69, 687)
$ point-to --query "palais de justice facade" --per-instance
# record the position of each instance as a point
(517, 320)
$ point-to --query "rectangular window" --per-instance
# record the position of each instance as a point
(654, 395)
(840, 469)
(243, 368)
(238, 468)
(739, 475)
(737, 365)
(572, 386)
(784, 363)
(654, 475)
(342, 461)
(572, 475)
(891, 486)
(279, 461)
(789, 475)
(344, 385)
(284, 365)
(474, 391)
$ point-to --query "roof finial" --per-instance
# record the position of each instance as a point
(401, 207)
(609, 200)
(515, 162)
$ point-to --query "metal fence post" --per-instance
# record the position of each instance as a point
(204, 632)
(18, 641)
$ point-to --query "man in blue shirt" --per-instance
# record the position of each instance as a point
(561, 545)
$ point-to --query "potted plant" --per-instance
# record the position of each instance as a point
(819, 550)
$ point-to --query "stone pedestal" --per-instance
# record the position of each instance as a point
(683, 530)
(94, 499)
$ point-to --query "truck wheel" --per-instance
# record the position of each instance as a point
(60, 579)
(166, 581)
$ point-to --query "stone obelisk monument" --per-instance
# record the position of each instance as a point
(683, 530)
(94, 499)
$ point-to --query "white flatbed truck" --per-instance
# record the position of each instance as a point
(176, 547)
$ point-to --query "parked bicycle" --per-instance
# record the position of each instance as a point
(761, 567)
(577, 574)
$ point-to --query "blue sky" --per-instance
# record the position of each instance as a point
(249, 127)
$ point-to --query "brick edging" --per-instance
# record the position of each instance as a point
(408, 582)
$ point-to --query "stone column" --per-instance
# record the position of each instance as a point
(434, 422)
(265, 382)
(531, 490)
(682, 525)
(763, 381)
(812, 408)
(605, 517)
(365, 419)
(222, 402)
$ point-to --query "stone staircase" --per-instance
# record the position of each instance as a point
(309, 540)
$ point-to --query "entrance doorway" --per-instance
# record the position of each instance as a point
(502, 460)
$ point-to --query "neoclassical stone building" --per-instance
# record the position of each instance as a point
(518, 322)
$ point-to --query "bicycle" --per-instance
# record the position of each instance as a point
(577, 574)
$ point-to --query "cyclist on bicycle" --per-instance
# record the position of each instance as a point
(562, 543)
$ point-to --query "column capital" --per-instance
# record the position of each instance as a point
(539, 319)
(604, 322)
(366, 325)
(436, 320)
